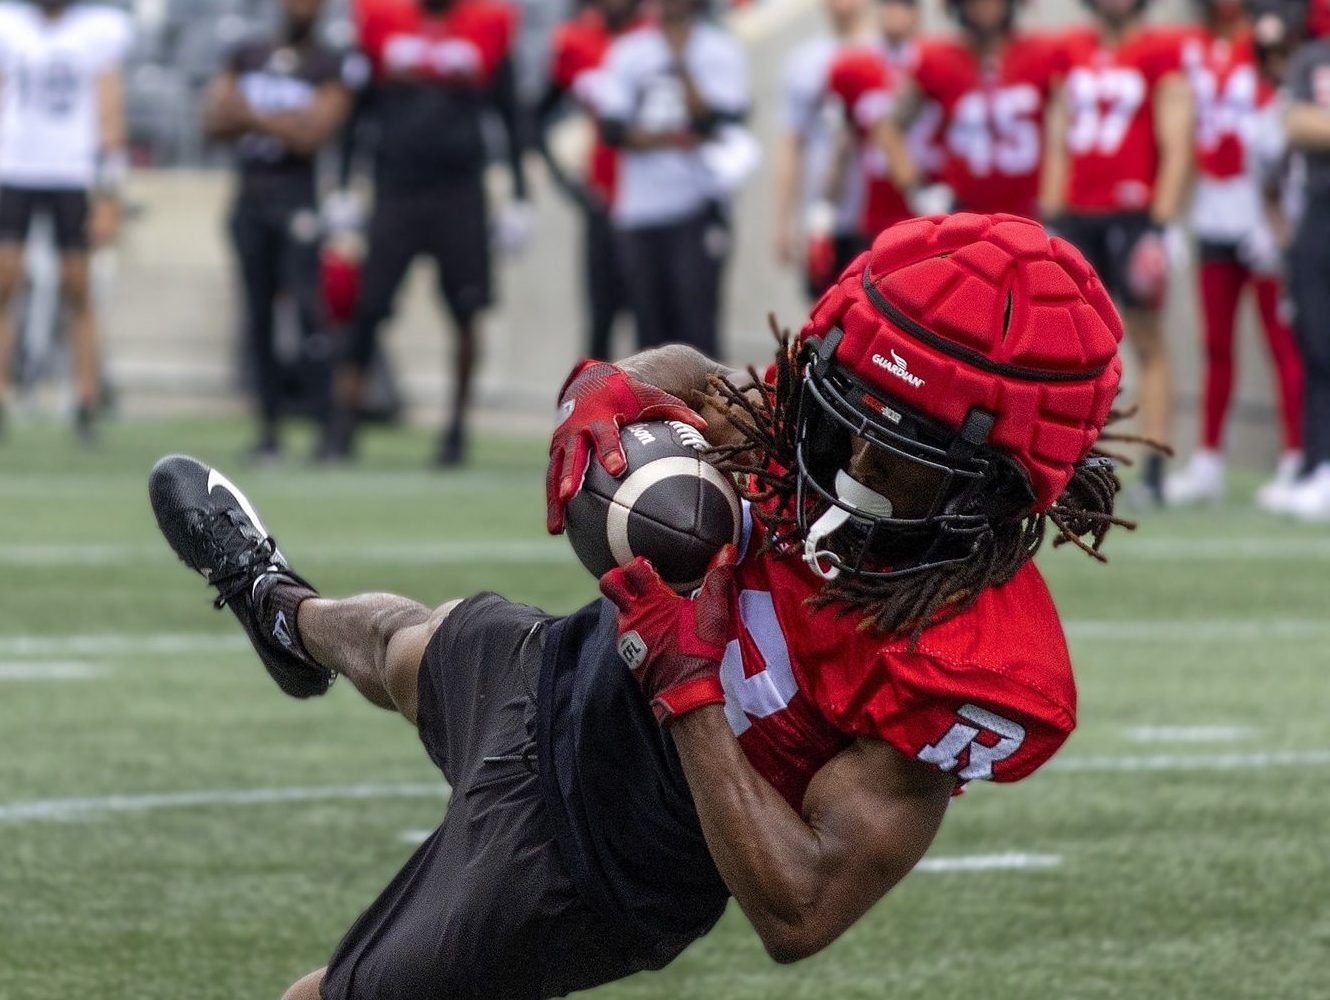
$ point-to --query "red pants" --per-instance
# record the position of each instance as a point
(1222, 282)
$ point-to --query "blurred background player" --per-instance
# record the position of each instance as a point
(864, 81)
(578, 50)
(1118, 158)
(440, 67)
(280, 101)
(1237, 246)
(672, 97)
(1308, 125)
(806, 162)
(992, 85)
(62, 155)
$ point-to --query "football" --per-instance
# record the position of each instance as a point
(671, 506)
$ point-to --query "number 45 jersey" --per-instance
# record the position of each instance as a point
(987, 696)
(993, 119)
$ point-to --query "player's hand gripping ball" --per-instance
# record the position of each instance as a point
(670, 506)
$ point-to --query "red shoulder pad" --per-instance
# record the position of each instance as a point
(862, 80)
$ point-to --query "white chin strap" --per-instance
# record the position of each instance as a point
(853, 494)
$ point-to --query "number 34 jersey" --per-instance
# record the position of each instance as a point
(50, 132)
(993, 119)
(987, 696)
(1110, 102)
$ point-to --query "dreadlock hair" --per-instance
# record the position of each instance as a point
(762, 462)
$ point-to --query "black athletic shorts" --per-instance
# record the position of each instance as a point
(485, 908)
(68, 210)
(1107, 239)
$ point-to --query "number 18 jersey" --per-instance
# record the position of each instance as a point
(50, 129)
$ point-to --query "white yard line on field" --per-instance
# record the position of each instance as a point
(1191, 762)
(546, 550)
(86, 808)
(989, 862)
(113, 644)
(48, 670)
(1188, 734)
(399, 553)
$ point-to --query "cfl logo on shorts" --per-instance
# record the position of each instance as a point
(963, 740)
(632, 650)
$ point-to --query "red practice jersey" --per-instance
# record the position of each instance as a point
(992, 119)
(987, 696)
(1111, 133)
(467, 43)
(865, 86)
(1229, 92)
(580, 46)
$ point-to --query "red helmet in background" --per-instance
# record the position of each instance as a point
(953, 342)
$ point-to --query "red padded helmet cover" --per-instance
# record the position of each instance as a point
(991, 314)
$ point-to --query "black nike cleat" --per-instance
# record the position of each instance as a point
(216, 532)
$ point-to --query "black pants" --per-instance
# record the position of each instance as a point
(1309, 285)
(277, 246)
(448, 222)
(674, 274)
(606, 291)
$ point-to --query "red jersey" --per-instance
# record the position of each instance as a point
(579, 48)
(466, 43)
(865, 86)
(992, 119)
(987, 696)
(1111, 133)
(1229, 93)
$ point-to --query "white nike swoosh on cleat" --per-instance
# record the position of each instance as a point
(216, 480)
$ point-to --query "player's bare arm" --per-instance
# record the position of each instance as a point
(1173, 116)
(113, 163)
(869, 816)
(226, 113)
(890, 136)
(1053, 177)
(1308, 126)
(305, 132)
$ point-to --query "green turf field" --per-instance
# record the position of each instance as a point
(1181, 842)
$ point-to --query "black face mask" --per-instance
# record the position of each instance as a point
(435, 6)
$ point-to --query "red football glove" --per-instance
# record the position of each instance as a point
(1147, 269)
(820, 254)
(673, 645)
(597, 400)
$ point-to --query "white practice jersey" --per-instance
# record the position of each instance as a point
(639, 88)
(814, 115)
(50, 130)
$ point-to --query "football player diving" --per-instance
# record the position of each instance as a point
(795, 731)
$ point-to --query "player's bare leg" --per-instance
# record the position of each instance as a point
(375, 641)
(304, 641)
(1145, 330)
(452, 446)
(11, 270)
(307, 988)
(76, 296)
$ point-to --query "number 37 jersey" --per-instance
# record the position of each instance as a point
(1111, 137)
(987, 696)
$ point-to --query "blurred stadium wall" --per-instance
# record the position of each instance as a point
(173, 310)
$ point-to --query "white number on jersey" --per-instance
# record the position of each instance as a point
(963, 739)
(1225, 112)
(770, 691)
(995, 131)
(1103, 103)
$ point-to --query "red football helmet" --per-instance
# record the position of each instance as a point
(954, 342)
